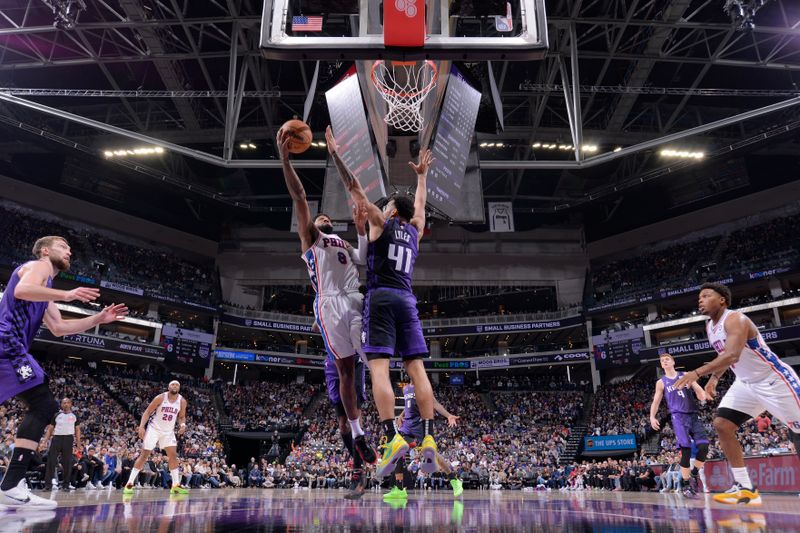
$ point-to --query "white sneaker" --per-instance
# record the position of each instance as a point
(20, 497)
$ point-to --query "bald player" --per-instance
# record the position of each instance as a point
(160, 417)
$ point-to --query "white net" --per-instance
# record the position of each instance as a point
(404, 85)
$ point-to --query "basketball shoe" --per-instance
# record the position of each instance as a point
(357, 486)
(20, 497)
(458, 487)
(739, 495)
(395, 494)
(364, 449)
(429, 451)
(392, 452)
(177, 489)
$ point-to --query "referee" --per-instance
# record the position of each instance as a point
(66, 434)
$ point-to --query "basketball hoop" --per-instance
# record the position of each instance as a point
(404, 85)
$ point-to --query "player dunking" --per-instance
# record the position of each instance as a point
(29, 300)
(411, 428)
(685, 423)
(331, 263)
(763, 383)
(160, 417)
(391, 320)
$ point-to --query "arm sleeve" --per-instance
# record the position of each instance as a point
(359, 255)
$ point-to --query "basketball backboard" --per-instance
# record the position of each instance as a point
(354, 29)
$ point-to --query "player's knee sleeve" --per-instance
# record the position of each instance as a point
(42, 407)
(702, 453)
(686, 457)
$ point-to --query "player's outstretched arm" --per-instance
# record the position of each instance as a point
(657, 396)
(32, 283)
(420, 168)
(452, 419)
(351, 183)
(307, 231)
(60, 327)
(359, 255)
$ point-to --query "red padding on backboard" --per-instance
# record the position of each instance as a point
(404, 23)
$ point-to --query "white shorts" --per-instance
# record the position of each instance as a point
(339, 320)
(153, 437)
(775, 394)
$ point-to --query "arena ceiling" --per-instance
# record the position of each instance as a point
(164, 68)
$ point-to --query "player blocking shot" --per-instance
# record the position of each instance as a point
(331, 263)
(686, 423)
(391, 320)
(157, 428)
(763, 383)
(29, 300)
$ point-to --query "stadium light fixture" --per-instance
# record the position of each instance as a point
(682, 154)
(137, 151)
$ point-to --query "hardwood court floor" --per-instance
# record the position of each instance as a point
(326, 510)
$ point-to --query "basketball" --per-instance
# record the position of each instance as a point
(300, 134)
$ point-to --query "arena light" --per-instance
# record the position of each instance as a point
(138, 151)
(536, 145)
(618, 149)
(591, 148)
(247, 146)
(682, 154)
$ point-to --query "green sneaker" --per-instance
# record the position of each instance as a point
(395, 494)
(458, 487)
(127, 490)
(177, 489)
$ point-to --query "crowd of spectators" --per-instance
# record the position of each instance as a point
(506, 439)
(541, 381)
(621, 408)
(648, 271)
(267, 405)
(763, 246)
(95, 255)
(108, 408)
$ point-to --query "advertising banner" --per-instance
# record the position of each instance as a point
(602, 444)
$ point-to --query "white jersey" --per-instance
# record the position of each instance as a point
(166, 414)
(757, 361)
(331, 263)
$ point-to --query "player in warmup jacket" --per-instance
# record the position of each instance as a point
(391, 320)
(410, 426)
(331, 263)
(763, 383)
(29, 300)
(685, 423)
(160, 417)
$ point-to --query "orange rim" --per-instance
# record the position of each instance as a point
(390, 92)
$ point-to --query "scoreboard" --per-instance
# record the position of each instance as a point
(187, 346)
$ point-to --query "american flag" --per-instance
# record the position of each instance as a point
(303, 23)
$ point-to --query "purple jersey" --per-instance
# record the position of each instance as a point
(412, 419)
(19, 320)
(390, 260)
(678, 400)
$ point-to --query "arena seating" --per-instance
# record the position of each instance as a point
(267, 405)
(767, 245)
